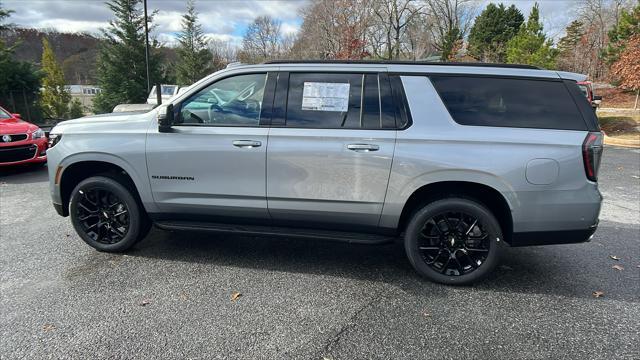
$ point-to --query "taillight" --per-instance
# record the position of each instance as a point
(591, 154)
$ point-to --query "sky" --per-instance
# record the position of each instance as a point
(224, 20)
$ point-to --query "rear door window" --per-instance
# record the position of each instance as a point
(509, 102)
(333, 101)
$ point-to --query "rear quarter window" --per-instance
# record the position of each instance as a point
(509, 102)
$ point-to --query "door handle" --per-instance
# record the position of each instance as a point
(363, 147)
(246, 143)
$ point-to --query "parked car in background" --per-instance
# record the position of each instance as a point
(456, 160)
(586, 87)
(167, 92)
(20, 142)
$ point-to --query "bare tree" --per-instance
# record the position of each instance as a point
(261, 40)
(334, 29)
(224, 52)
(393, 17)
(418, 43)
(598, 17)
(453, 19)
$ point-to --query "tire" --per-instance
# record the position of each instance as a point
(453, 241)
(106, 214)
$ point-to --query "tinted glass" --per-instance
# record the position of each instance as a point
(507, 102)
(234, 101)
(333, 101)
(4, 114)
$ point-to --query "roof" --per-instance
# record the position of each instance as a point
(398, 62)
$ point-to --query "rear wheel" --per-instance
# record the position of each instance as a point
(453, 241)
(106, 215)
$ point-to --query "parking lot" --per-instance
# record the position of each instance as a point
(301, 299)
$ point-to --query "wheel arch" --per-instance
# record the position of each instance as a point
(493, 199)
(76, 169)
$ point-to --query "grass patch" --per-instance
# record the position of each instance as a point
(624, 127)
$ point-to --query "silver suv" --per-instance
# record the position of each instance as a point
(453, 159)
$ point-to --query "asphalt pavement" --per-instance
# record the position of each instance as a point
(170, 297)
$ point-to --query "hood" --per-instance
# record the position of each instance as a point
(16, 126)
(106, 118)
(105, 122)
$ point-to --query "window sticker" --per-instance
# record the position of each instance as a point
(318, 96)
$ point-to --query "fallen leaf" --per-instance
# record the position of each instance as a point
(616, 258)
(620, 168)
(235, 296)
(145, 302)
(184, 297)
(597, 294)
(48, 327)
(618, 267)
(635, 176)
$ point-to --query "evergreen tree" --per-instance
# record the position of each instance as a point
(19, 80)
(531, 46)
(574, 33)
(121, 68)
(450, 44)
(76, 109)
(194, 58)
(55, 98)
(491, 31)
(627, 27)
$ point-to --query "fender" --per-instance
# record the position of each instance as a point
(139, 176)
(397, 196)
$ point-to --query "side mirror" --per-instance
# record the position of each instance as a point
(597, 97)
(17, 115)
(165, 118)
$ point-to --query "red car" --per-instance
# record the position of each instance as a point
(587, 89)
(20, 142)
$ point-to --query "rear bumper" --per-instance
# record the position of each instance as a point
(553, 237)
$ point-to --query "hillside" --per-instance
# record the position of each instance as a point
(77, 52)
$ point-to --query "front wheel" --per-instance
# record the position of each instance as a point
(106, 215)
(453, 241)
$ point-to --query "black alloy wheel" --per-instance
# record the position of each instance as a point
(106, 213)
(103, 216)
(453, 241)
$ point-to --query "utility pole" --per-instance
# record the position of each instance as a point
(146, 45)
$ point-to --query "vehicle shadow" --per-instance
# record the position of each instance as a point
(561, 270)
(23, 174)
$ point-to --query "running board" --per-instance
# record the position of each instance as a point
(350, 237)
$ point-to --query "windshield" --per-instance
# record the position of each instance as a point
(4, 114)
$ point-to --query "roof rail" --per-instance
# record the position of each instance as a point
(234, 64)
(400, 62)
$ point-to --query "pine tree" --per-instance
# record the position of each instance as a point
(572, 38)
(18, 79)
(194, 58)
(491, 31)
(531, 46)
(121, 68)
(627, 27)
(76, 109)
(450, 44)
(55, 98)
